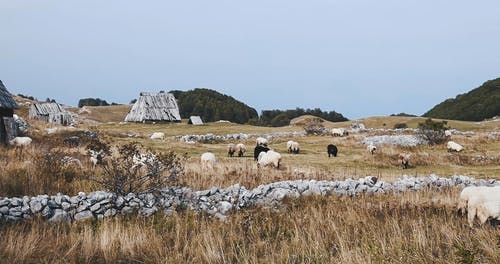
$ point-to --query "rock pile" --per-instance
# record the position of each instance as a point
(214, 201)
(399, 140)
(238, 136)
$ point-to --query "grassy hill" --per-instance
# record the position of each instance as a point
(476, 105)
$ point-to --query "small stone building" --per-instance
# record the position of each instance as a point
(154, 107)
(195, 120)
(8, 126)
(50, 112)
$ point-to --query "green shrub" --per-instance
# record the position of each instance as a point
(433, 131)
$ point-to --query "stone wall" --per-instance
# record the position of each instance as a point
(214, 201)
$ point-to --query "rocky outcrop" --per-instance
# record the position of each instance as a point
(217, 202)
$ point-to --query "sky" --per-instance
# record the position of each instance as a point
(360, 58)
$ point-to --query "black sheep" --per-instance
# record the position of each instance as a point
(258, 149)
(332, 150)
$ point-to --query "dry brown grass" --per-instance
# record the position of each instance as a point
(417, 227)
(409, 228)
(22, 174)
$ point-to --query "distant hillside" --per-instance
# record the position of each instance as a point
(276, 118)
(476, 105)
(212, 106)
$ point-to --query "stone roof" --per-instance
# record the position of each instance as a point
(6, 100)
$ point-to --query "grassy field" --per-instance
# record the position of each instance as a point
(417, 227)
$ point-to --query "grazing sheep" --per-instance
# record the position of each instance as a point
(96, 157)
(230, 149)
(447, 133)
(261, 141)
(488, 210)
(332, 150)
(158, 135)
(257, 150)
(289, 146)
(339, 132)
(295, 148)
(480, 201)
(464, 198)
(20, 141)
(241, 149)
(371, 148)
(453, 146)
(269, 158)
(208, 160)
(404, 158)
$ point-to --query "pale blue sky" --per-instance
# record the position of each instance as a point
(359, 58)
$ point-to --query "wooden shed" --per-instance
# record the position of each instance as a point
(51, 113)
(154, 107)
(8, 127)
(195, 120)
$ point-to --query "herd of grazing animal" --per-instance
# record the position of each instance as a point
(293, 147)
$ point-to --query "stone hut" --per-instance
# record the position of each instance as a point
(154, 108)
(50, 112)
(195, 120)
(8, 127)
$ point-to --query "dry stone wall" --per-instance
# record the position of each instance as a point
(215, 201)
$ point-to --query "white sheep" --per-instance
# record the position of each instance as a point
(208, 160)
(269, 158)
(371, 149)
(261, 141)
(95, 156)
(404, 158)
(295, 148)
(289, 146)
(464, 198)
(338, 132)
(453, 146)
(480, 201)
(487, 210)
(447, 133)
(231, 148)
(241, 149)
(158, 135)
(20, 141)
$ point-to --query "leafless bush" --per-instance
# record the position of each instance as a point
(129, 170)
(314, 127)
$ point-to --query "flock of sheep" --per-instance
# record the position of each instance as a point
(262, 153)
(273, 158)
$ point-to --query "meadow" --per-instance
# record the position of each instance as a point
(412, 227)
